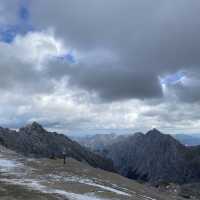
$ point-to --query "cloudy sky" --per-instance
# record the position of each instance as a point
(100, 66)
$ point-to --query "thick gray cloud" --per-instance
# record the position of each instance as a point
(188, 88)
(8, 11)
(128, 57)
(149, 38)
(108, 81)
(19, 74)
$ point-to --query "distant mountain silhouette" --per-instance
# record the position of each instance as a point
(34, 140)
(99, 142)
(188, 140)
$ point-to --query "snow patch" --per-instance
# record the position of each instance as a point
(36, 185)
(92, 183)
(8, 165)
(105, 188)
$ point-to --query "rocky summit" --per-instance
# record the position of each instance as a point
(34, 141)
(155, 157)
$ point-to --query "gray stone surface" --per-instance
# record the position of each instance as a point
(33, 140)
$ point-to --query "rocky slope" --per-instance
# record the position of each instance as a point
(22, 178)
(155, 157)
(33, 140)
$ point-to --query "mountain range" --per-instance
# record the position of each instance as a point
(99, 142)
(34, 141)
(154, 157)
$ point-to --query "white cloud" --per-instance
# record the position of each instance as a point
(119, 57)
(37, 48)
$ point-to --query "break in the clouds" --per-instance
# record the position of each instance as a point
(148, 38)
(100, 64)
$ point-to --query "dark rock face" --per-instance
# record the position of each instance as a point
(34, 140)
(155, 157)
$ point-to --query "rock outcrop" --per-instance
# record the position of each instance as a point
(33, 140)
(155, 157)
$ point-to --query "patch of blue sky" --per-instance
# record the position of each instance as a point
(24, 13)
(8, 32)
(173, 78)
(68, 57)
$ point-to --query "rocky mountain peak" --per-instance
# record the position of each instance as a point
(34, 126)
(34, 141)
(155, 157)
(154, 133)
